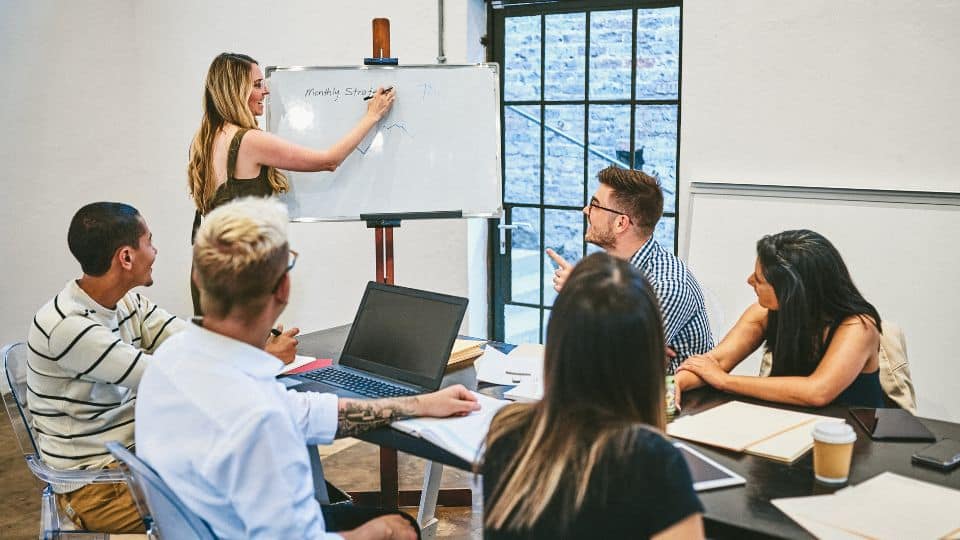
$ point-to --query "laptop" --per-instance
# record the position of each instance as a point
(891, 424)
(398, 345)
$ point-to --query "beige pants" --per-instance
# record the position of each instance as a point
(102, 508)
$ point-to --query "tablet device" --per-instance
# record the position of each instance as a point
(707, 473)
(891, 424)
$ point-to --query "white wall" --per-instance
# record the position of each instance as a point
(827, 93)
(103, 97)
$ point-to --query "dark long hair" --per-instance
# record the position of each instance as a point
(815, 294)
(603, 380)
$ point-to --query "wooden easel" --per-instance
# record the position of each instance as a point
(390, 495)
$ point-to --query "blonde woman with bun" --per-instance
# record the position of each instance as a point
(231, 157)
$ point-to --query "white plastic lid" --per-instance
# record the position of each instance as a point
(834, 432)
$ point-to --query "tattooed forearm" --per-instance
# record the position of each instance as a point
(356, 416)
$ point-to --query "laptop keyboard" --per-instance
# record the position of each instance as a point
(364, 386)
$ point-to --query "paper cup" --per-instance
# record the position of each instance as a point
(832, 451)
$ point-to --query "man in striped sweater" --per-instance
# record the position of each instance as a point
(89, 347)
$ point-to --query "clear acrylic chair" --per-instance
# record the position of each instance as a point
(164, 514)
(13, 387)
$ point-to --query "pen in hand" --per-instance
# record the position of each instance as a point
(275, 332)
(389, 88)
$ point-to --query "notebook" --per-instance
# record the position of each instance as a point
(461, 436)
(464, 352)
(768, 432)
(398, 345)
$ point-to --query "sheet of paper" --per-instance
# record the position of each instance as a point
(492, 367)
(891, 506)
(526, 359)
(736, 425)
(298, 361)
(791, 444)
(800, 508)
(527, 391)
(461, 436)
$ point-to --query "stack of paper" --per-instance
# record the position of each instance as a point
(763, 431)
(462, 436)
(886, 506)
(524, 362)
(464, 352)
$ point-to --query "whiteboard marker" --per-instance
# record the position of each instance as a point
(371, 96)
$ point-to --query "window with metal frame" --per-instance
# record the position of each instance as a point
(585, 85)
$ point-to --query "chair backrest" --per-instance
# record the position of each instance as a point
(163, 512)
(14, 390)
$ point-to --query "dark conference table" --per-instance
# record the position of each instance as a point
(736, 512)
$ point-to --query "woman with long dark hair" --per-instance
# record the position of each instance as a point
(590, 460)
(823, 335)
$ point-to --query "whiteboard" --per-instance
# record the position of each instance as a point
(438, 149)
(900, 248)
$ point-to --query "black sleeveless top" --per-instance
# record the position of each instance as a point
(235, 188)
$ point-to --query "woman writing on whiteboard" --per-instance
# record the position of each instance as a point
(231, 157)
(823, 336)
(590, 460)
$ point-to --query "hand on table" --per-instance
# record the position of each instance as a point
(562, 272)
(283, 346)
(454, 400)
(707, 368)
(391, 527)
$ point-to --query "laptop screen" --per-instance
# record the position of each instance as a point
(404, 334)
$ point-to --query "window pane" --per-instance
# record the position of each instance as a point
(563, 155)
(525, 255)
(565, 56)
(521, 153)
(546, 324)
(521, 73)
(563, 232)
(656, 142)
(521, 324)
(610, 51)
(665, 232)
(609, 141)
(658, 53)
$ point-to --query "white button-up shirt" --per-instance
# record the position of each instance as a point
(230, 440)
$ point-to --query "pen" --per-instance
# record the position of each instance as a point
(385, 91)
(275, 332)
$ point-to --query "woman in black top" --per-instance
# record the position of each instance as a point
(230, 157)
(823, 335)
(589, 460)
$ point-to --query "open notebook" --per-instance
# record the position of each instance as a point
(461, 436)
(762, 431)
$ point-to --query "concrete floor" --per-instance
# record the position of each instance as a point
(353, 468)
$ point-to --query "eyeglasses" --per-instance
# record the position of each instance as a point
(292, 263)
(594, 204)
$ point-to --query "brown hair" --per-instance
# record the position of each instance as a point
(638, 194)
(225, 95)
(604, 370)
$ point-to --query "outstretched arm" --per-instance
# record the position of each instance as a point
(356, 416)
(267, 149)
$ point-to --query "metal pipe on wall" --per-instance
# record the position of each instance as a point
(441, 58)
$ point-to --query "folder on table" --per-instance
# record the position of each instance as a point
(768, 432)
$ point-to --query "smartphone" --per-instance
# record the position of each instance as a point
(944, 455)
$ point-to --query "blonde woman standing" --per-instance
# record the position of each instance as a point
(230, 157)
(590, 459)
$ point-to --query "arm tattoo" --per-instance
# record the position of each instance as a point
(356, 416)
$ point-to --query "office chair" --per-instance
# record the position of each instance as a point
(13, 387)
(164, 514)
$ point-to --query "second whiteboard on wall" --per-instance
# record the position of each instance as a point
(438, 149)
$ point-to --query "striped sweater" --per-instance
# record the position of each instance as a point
(84, 366)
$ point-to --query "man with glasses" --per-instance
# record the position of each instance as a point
(89, 347)
(622, 216)
(222, 432)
